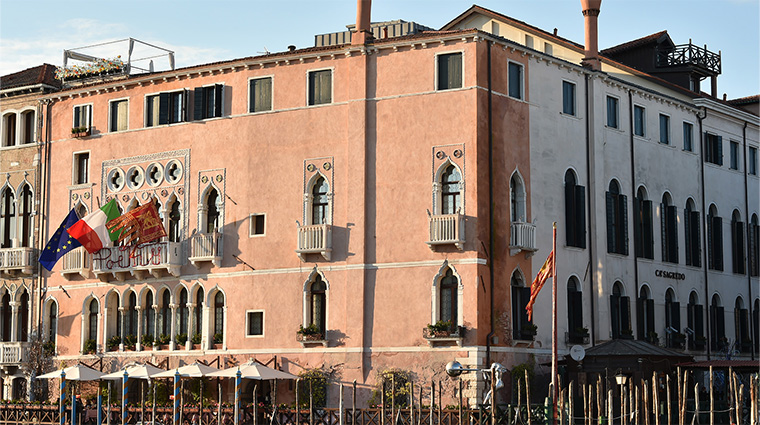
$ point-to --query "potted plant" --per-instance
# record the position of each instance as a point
(626, 334)
(653, 338)
(48, 349)
(441, 328)
(218, 340)
(180, 339)
(309, 333)
(80, 131)
(528, 331)
(699, 342)
(195, 340)
(678, 340)
(146, 340)
(130, 342)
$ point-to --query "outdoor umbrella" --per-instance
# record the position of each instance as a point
(195, 370)
(136, 371)
(79, 372)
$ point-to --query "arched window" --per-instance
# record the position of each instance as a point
(645, 316)
(617, 220)
(212, 215)
(741, 326)
(578, 333)
(5, 311)
(714, 239)
(620, 313)
(150, 315)
(672, 319)
(754, 248)
(7, 218)
(52, 321)
(643, 232)
(669, 226)
(695, 323)
(92, 320)
(450, 192)
(166, 314)
(9, 129)
(448, 302)
(717, 324)
(218, 316)
(198, 319)
(517, 199)
(575, 211)
(27, 127)
(319, 201)
(318, 304)
(737, 243)
(113, 321)
(26, 216)
(174, 220)
(522, 328)
(692, 220)
(131, 318)
(183, 313)
(23, 317)
(81, 210)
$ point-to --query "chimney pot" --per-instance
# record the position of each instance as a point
(590, 17)
(555, 31)
(363, 32)
(291, 48)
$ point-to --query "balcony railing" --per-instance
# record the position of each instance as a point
(206, 247)
(18, 260)
(689, 54)
(455, 334)
(152, 257)
(76, 262)
(14, 353)
(447, 229)
(314, 239)
(522, 237)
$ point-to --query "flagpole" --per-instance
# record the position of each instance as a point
(554, 320)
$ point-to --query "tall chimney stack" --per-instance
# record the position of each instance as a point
(362, 34)
(591, 13)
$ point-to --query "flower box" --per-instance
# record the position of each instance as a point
(79, 132)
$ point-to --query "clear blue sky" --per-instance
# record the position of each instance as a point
(36, 31)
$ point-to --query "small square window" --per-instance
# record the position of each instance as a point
(664, 129)
(81, 167)
(449, 71)
(320, 87)
(612, 112)
(639, 121)
(119, 115)
(528, 41)
(752, 161)
(165, 108)
(568, 98)
(257, 225)
(260, 95)
(82, 116)
(734, 165)
(548, 49)
(208, 101)
(515, 80)
(688, 137)
(254, 323)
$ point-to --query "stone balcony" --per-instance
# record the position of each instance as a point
(18, 261)
(206, 247)
(155, 258)
(446, 229)
(314, 239)
(13, 353)
(76, 262)
(522, 237)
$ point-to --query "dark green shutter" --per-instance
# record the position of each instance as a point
(623, 224)
(649, 307)
(575, 300)
(580, 217)
(163, 108)
(743, 328)
(699, 320)
(663, 232)
(672, 217)
(198, 102)
(753, 250)
(610, 222)
(524, 298)
(721, 322)
(77, 116)
(687, 235)
(615, 315)
(696, 224)
(641, 331)
(718, 242)
(675, 315)
(638, 230)
(625, 313)
(713, 327)
(710, 245)
(218, 99)
(570, 219)
(648, 239)
(184, 114)
(719, 149)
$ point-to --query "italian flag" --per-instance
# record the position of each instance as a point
(91, 231)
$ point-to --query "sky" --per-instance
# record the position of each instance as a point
(33, 32)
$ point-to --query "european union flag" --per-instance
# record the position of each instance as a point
(60, 243)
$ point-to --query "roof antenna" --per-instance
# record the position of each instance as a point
(266, 51)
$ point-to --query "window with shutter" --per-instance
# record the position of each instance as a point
(612, 112)
(639, 120)
(449, 71)
(737, 244)
(611, 233)
(119, 115)
(717, 229)
(622, 211)
(754, 247)
(568, 98)
(515, 71)
(648, 238)
(580, 217)
(664, 129)
(625, 315)
(320, 87)
(260, 95)
(208, 102)
(615, 315)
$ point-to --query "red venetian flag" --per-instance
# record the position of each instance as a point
(547, 271)
(140, 225)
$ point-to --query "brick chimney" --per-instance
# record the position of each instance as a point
(590, 14)
(362, 34)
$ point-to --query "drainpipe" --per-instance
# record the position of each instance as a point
(633, 190)
(491, 237)
(747, 231)
(591, 224)
(704, 233)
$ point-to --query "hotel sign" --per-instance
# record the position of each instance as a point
(669, 275)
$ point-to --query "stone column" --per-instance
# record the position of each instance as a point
(226, 330)
(122, 320)
(155, 323)
(140, 315)
(101, 329)
(208, 336)
(81, 332)
(173, 341)
(104, 328)
(190, 325)
(14, 320)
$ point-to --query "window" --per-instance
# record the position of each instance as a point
(23, 317)
(645, 316)
(688, 137)
(198, 310)
(450, 190)
(92, 320)
(717, 324)
(522, 328)
(528, 41)
(733, 155)
(83, 116)
(575, 211)
(754, 247)
(548, 49)
(166, 314)
(131, 315)
(643, 231)
(208, 101)
(639, 121)
(617, 220)
(26, 216)
(447, 301)
(6, 313)
(752, 161)
(669, 226)
(450, 71)
(7, 218)
(568, 98)
(52, 321)
(692, 224)
(219, 316)
(672, 318)
(319, 201)
(714, 239)
(612, 112)
(695, 323)
(183, 313)
(515, 80)
(256, 225)
(150, 316)
(664, 129)
(165, 108)
(737, 243)
(119, 115)
(260, 94)
(9, 129)
(174, 222)
(318, 303)
(320, 87)
(81, 167)
(517, 199)
(254, 323)
(27, 127)
(575, 327)
(620, 313)
(741, 327)
(211, 222)
(713, 149)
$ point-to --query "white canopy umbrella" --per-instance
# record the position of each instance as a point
(134, 371)
(195, 370)
(253, 370)
(79, 372)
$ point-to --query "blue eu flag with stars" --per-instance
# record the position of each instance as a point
(60, 243)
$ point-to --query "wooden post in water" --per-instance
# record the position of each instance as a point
(298, 405)
(678, 390)
(393, 396)
(712, 399)
(461, 418)
(311, 402)
(655, 399)
(527, 398)
(609, 406)
(645, 401)
(685, 393)
(585, 405)
(599, 404)
(353, 404)
(637, 410)
(667, 402)
(411, 404)
(570, 403)
(696, 403)
(419, 421)
(142, 400)
(218, 407)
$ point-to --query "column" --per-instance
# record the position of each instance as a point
(102, 331)
(139, 309)
(81, 332)
(155, 323)
(226, 330)
(14, 320)
(190, 325)
(122, 320)
(104, 328)
(208, 336)
(173, 341)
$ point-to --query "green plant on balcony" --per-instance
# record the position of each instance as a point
(181, 339)
(113, 343)
(529, 329)
(130, 342)
(146, 340)
(309, 333)
(89, 346)
(440, 328)
(163, 339)
(626, 334)
(196, 339)
(653, 338)
(218, 338)
(79, 131)
(48, 348)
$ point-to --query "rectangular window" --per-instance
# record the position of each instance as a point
(752, 161)
(688, 137)
(256, 225)
(254, 323)
(165, 108)
(664, 129)
(734, 155)
(568, 98)
(260, 95)
(119, 115)
(81, 167)
(320, 87)
(515, 80)
(548, 49)
(82, 116)
(713, 149)
(208, 101)
(639, 121)
(450, 71)
(528, 41)
(612, 112)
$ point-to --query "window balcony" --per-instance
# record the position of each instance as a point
(17, 261)
(13, 353)
(76, 262)
(447, 229)
(153, 258)
(522, 237)
(455, 335)
(206, 247)
(314, 239)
